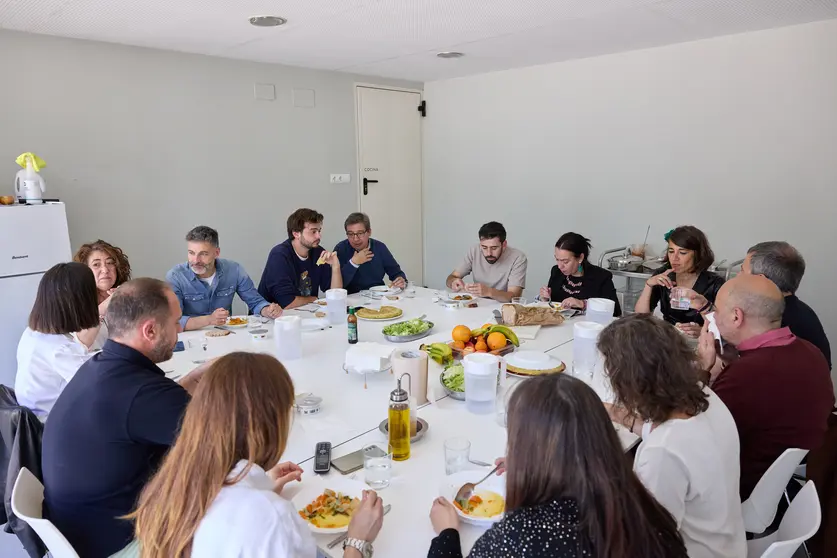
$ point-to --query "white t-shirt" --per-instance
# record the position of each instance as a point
(208, 280)
(249, 520)
(45, 364)
(691, 466)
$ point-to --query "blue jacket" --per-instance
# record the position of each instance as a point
(286, 277)
(370, 274)
(196, 299)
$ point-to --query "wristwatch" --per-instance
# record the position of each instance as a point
(365, 547)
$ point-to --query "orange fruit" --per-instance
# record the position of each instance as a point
(481, 347)
(461, 333)
(496, 340)
(458, 345)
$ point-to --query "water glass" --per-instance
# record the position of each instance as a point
(679, 300)
(410, 291)
(545, 299)
(519, 300)
(254, 322)
(457, 455)
(376, 467)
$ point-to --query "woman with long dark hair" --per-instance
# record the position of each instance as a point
(570, 490)
(689, 455)
(688, 259)
(218, 490)
(574, 279)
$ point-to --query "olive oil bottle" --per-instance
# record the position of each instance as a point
(399, 422)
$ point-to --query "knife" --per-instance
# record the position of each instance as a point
(344, 536)
(224, 329)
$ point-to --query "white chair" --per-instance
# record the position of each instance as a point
(27, 504)
(800, 523)
(760, 508)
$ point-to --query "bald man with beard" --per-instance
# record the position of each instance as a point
(778, 389)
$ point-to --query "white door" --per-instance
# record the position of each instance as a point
(389, 156)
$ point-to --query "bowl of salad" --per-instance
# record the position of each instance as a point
(453, 380)
(410, 330)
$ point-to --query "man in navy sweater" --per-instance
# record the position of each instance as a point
(365, 260)
(297, 269)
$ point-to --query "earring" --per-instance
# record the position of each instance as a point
(580, 268)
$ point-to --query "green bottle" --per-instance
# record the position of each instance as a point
(352, 322)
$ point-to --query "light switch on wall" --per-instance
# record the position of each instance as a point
(340, 178)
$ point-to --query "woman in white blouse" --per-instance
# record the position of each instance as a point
(217, 493)
(48, 354)
(689, 455)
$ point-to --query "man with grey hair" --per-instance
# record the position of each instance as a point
(779, 387)
(784, 265)
(206, 284)
(112, 424)
(365, 260)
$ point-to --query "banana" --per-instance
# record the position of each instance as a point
(439, 352)
(507, 332)
(479, 331)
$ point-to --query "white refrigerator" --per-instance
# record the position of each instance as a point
(33, 238)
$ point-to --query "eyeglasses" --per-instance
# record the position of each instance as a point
(356, 235)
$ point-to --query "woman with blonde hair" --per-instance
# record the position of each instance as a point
(218, 490)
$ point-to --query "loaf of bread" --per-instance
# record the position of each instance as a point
(517, 315)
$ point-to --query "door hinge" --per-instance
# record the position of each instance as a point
(422, 108)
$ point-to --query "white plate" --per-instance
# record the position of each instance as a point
(450, 296)
(245, 318)
(314, 486)
(314, 324)
(493, 483)
(384, 290)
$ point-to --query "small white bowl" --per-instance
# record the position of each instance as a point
(494, 483)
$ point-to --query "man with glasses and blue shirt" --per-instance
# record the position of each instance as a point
(206, 284)
(364, 260)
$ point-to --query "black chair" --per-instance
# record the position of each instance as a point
(21, 433)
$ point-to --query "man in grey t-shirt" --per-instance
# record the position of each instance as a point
(499, 271)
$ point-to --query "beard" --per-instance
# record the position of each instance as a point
(309, 245)
(162, 352)
(491, 259)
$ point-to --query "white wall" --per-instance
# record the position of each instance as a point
(737, 135)
(145, 144)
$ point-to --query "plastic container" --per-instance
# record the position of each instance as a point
(481, 377)
(585, 353)
(600, 310)
(336, 306)
(287, 334)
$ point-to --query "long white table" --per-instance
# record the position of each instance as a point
(351, 413)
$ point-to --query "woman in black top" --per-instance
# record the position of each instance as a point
(575, 279)
(570, 489)
(688, 260)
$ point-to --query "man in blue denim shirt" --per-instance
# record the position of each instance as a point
(206, 284)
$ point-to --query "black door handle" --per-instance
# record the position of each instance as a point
(366, 183)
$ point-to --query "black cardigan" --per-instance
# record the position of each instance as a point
(707, 283)
(595, 283)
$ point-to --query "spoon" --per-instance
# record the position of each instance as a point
(464, 494)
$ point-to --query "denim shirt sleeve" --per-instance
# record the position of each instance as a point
(248, 293)
(173, 278)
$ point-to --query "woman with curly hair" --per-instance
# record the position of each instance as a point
(689, 455)
(111, 268)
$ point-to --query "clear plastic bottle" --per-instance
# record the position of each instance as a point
(399, 422)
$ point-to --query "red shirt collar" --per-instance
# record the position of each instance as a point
(773, 338)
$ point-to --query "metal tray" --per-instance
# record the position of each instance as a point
(408, 338)
(458, 395)
(421, 429)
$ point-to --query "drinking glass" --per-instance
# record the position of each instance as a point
(519, 300)
(254, 322)
(411, 289)
(376, 467)
(545, 299)
(679, 300)
(457, 454)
